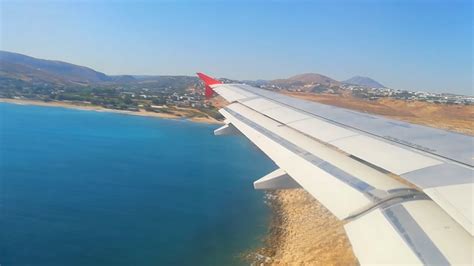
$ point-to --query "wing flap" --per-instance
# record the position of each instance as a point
(413, 232)
(457, 201)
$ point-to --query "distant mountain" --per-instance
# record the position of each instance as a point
(26, 68)
(307, 79)
(310, 82)
(364, 81)
(166, 81)
(314, 78)
(22, 70)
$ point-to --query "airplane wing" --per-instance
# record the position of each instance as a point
(405, 191)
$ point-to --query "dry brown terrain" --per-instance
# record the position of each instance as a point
(218, 101)
(303, 232)
(458, 118)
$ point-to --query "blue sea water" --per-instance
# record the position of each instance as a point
(91, 188)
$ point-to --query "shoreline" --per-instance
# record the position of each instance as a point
(96, 108)
(301, 232)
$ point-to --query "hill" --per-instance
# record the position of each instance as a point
(30, 69)
(306, 82)
(18, 70)
(364, 81)
(314, 78)
(307, 79)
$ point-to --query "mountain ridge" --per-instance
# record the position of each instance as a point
(306, 79)
(28, 69)
(363, 81)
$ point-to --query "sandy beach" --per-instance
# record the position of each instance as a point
(180, 114)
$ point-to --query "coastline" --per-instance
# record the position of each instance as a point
(302, 232)
(84, 107)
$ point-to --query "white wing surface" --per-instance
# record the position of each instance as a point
(346, 159)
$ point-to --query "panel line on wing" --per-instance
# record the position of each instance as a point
(393, 197)
(250, 98)
(414, 236)
(333, 170)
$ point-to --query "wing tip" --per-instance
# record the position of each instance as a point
(208, 80)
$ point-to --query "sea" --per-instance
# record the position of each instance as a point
(97, 188)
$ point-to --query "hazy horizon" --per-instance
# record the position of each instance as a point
(403, 45)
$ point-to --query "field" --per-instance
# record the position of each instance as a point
(459, 118)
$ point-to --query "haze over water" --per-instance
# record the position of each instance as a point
(92, 188)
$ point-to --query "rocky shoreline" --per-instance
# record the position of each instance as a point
(302, 232)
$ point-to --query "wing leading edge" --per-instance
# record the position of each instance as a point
(386, 221)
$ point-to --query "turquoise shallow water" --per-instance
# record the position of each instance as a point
(90, 188)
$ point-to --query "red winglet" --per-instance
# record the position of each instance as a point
(208, 81)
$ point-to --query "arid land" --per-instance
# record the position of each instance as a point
(458, 118)
(302, 231)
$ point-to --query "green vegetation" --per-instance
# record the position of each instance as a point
(212, 112)
(131, 98)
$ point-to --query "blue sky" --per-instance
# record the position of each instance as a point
(403, 44)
